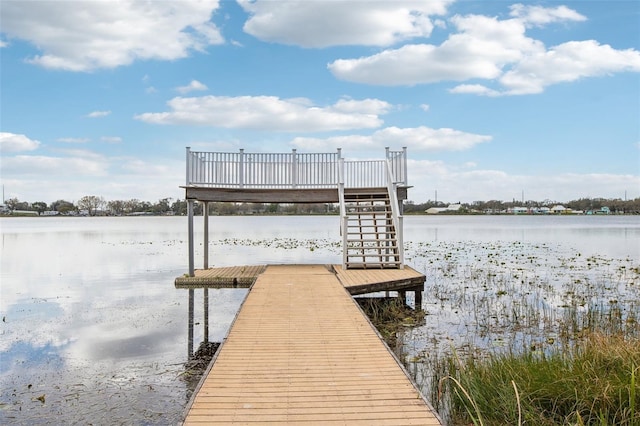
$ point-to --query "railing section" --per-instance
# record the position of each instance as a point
(262, 170)
(396, 214)
(291, 170)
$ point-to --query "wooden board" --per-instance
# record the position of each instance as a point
(300, 351)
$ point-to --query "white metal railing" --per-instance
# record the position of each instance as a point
(343, 213)
(396, 214)
(291, 170)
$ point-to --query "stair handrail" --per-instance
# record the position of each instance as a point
(395, 211)
(343, 211)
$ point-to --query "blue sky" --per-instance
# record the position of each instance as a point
(493, 99)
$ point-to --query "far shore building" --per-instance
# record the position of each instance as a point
(449, 208)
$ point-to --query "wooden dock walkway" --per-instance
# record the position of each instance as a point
(300, 351)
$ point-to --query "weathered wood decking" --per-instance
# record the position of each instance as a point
(301, 351)
(356, 281)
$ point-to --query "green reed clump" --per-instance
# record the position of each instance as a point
(594, 383)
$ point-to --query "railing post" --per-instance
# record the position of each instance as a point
(294, 168)
(405, 174)
(241, 169)
(188, 168)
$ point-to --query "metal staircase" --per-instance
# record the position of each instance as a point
(371, 216)
(371, 235)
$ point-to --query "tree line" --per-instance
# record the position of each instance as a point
(93, 205)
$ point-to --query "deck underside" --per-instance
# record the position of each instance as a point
(271, 195)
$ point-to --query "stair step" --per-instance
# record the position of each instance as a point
(371, 240)
(365, 213)
(372, 265)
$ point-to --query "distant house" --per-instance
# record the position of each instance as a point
(558, 208)
(518, 210)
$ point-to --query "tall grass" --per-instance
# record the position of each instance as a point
(593, 383)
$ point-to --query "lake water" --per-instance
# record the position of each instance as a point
(93, 330)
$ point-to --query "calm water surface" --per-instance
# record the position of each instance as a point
(93, 330)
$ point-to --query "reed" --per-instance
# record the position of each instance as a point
(594, 383)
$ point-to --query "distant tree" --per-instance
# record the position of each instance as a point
(162, 206)
(179, 207)
(116, 207)
(12, 203)
(39, 206)
(62, 206)
(91, 203)
(132, 205)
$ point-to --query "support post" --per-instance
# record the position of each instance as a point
(190, 326)
(192, 271)
(206, 315)
(402, 294)
(205, 214)
(418, 299)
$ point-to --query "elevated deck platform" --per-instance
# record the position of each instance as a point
(300, 351)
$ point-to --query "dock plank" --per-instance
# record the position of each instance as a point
(300, 351)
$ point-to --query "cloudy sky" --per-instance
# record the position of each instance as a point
(493, 99)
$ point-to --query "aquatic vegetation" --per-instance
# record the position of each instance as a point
(491, 305)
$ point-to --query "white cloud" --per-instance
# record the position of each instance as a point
(111, 139)
(269, 113)
(98, 114)
(568, 62)
(416, 139)
(140, 167)
(475, 89)
(365, 106)
(3, 44)
(351, 142)
(11, 142)
(331, 23)
(29, 165)
(73, 140)
(539, 15)
(82, 153)
(195, 85)
(491, 49)
(480, 50)
(84, 36)
(425, 107)
(428, 139)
